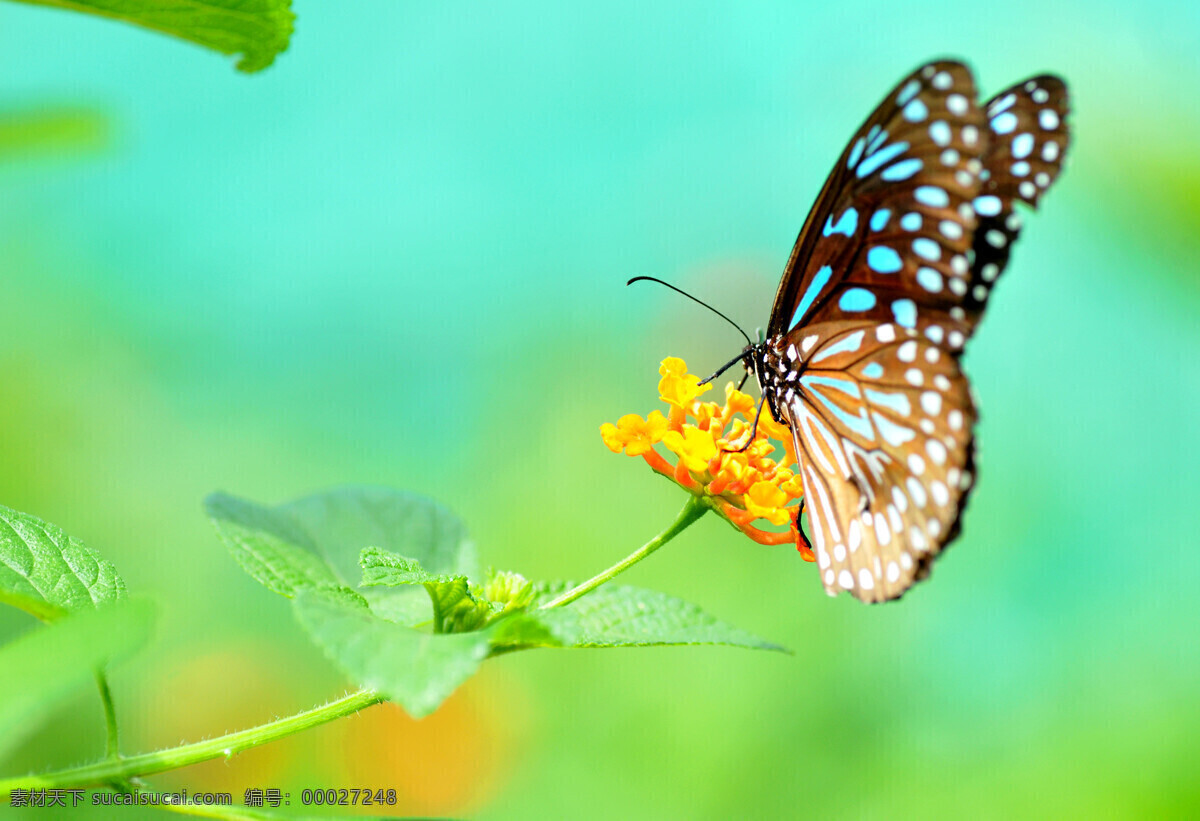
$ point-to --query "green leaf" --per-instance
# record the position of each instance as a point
(546, 628)
(257, 29)
(342, 521)
(51, 131)
(269, 545)
(416, 670)
(47, 573)
(383, 568)
(315, 541)
(632, 617)
(43, 665)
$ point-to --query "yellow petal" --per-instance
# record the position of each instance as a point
(612, 437)
(694, 447)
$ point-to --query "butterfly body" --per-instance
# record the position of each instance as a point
(885, 284)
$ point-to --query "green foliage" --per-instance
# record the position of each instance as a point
(417, 670)
(52, 131)
(256, 29)
(52, 661)
(418, 656)
(56, 578)
(621, 616)
(413, 655)
(270, 545)
(46, 573)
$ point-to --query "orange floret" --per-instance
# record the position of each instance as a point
(744, 481)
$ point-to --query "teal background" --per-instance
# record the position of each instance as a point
(397, 257)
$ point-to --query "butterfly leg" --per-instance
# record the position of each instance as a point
(753, 430)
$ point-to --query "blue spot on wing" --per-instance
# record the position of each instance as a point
(847, 224)
(880, 158)
(897, 401)
(892, 433)
(880, 219)
(915, 111)
(856, 152)
(905, 311)
(1004, 123)
(857, 299)
(932, 196)
(847, 344)
(873, 370)
(884, 260)
(908, 92)
(819, 281)
(902, 170)
(988, 205)
(859, 424)
(927, 248)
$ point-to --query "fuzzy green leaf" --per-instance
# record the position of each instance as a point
(269, 545)
(343, 521)
(545, 628)
(613, 616)
(256, 29)
(416, 670)
(386, 569)
(46, 573)
(43, 665)
(315, 541)
(382, 568)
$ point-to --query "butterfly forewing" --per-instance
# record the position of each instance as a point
(886, 281)
(888, 238)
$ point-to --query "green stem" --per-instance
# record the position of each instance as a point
(693, 510)
(104, 772)
(112, 747)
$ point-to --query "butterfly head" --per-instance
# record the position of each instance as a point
(776, 372)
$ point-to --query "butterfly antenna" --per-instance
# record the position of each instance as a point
(697, 301)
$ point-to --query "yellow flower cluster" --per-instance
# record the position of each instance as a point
(743, 485)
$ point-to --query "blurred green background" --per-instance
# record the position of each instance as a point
(397, 257)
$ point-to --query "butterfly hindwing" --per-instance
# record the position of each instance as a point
(881, 419)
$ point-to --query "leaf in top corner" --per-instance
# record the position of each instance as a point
(617, 616)
(258, 30)
(47, 573)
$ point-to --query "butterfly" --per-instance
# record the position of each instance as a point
(887, 281)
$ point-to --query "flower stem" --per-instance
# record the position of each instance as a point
(105, 772)
(693, 510)
(112, 748)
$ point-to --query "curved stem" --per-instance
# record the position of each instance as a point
(149, 763)
(693, 510)
(112, 744)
